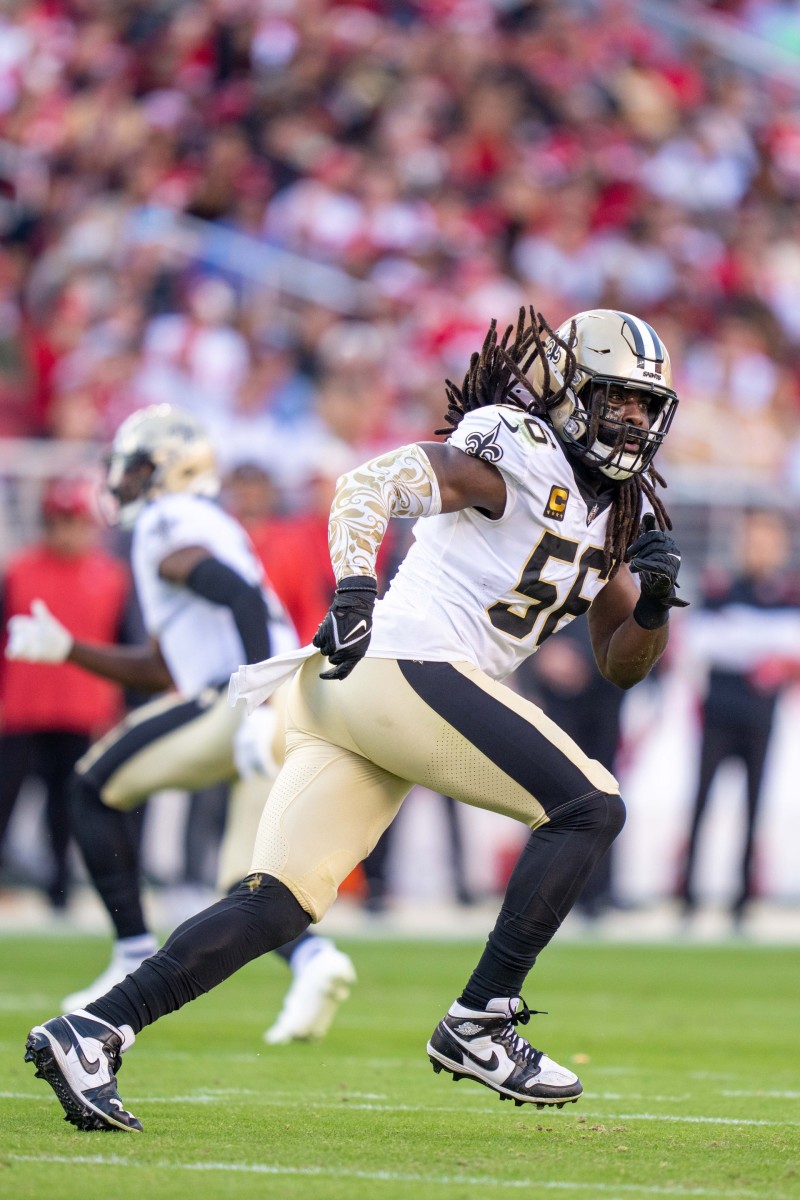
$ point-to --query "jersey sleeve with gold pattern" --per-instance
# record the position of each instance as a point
(399, 484)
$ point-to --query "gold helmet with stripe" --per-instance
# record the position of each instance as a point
(615, 354)
(156, 450)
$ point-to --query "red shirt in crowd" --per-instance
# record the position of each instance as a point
(295, 554)
(88, 594)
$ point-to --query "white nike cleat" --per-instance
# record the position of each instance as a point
(310, 1004)
(79, 1055)
(121, 964)
(484, 1046)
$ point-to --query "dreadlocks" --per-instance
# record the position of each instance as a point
(499, 374)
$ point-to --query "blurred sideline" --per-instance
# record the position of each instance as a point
(657, 778)
(25, 911)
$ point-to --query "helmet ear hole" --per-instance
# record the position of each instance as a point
(576, 426)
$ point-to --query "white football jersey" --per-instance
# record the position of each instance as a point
(199, 640)
(490, 591)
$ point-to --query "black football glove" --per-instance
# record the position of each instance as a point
(344, 635)
(656, 559)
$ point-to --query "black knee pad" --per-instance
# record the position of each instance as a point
(614, 813)
(602, 813)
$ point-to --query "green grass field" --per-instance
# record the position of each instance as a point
(688, 1054)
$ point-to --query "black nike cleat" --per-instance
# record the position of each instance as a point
(79, 1055)
(484, 1046)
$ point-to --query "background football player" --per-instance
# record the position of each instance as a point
(207, 608)
(530, 510)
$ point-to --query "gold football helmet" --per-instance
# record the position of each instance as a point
(156, 450)
(615, 353)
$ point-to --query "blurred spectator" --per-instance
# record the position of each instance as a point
(50, 714)
(738, 397)
(197, 357)
(294, 552)
(748, 636)
(271, 421)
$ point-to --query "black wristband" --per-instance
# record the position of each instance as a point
(650, 613)
(358, 583)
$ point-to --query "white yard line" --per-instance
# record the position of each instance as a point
(273, 1099)
(480, 1181)
(672, 1118)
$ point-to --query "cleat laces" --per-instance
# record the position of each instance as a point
(517, 1046)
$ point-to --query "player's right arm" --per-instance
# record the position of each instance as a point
(40, 637)
(419, 480)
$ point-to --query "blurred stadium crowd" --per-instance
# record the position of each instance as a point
(173, 171)
(296, 217)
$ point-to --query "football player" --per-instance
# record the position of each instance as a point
(531, 514)
(207, 608)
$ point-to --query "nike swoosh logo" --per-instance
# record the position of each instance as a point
(489, 1064)
(90, 1067)
(353, 635)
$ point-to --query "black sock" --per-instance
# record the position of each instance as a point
(548, 878)
(109, 843)
(260, 915)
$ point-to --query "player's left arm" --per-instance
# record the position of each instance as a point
(624, 651)
(629, 625)
(195, 568)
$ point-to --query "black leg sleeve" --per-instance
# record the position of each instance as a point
(286, 951)
(552, 869)
(258, 916)
(109, 843)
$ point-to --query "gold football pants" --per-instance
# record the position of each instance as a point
(186, 744)
(355, 747)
